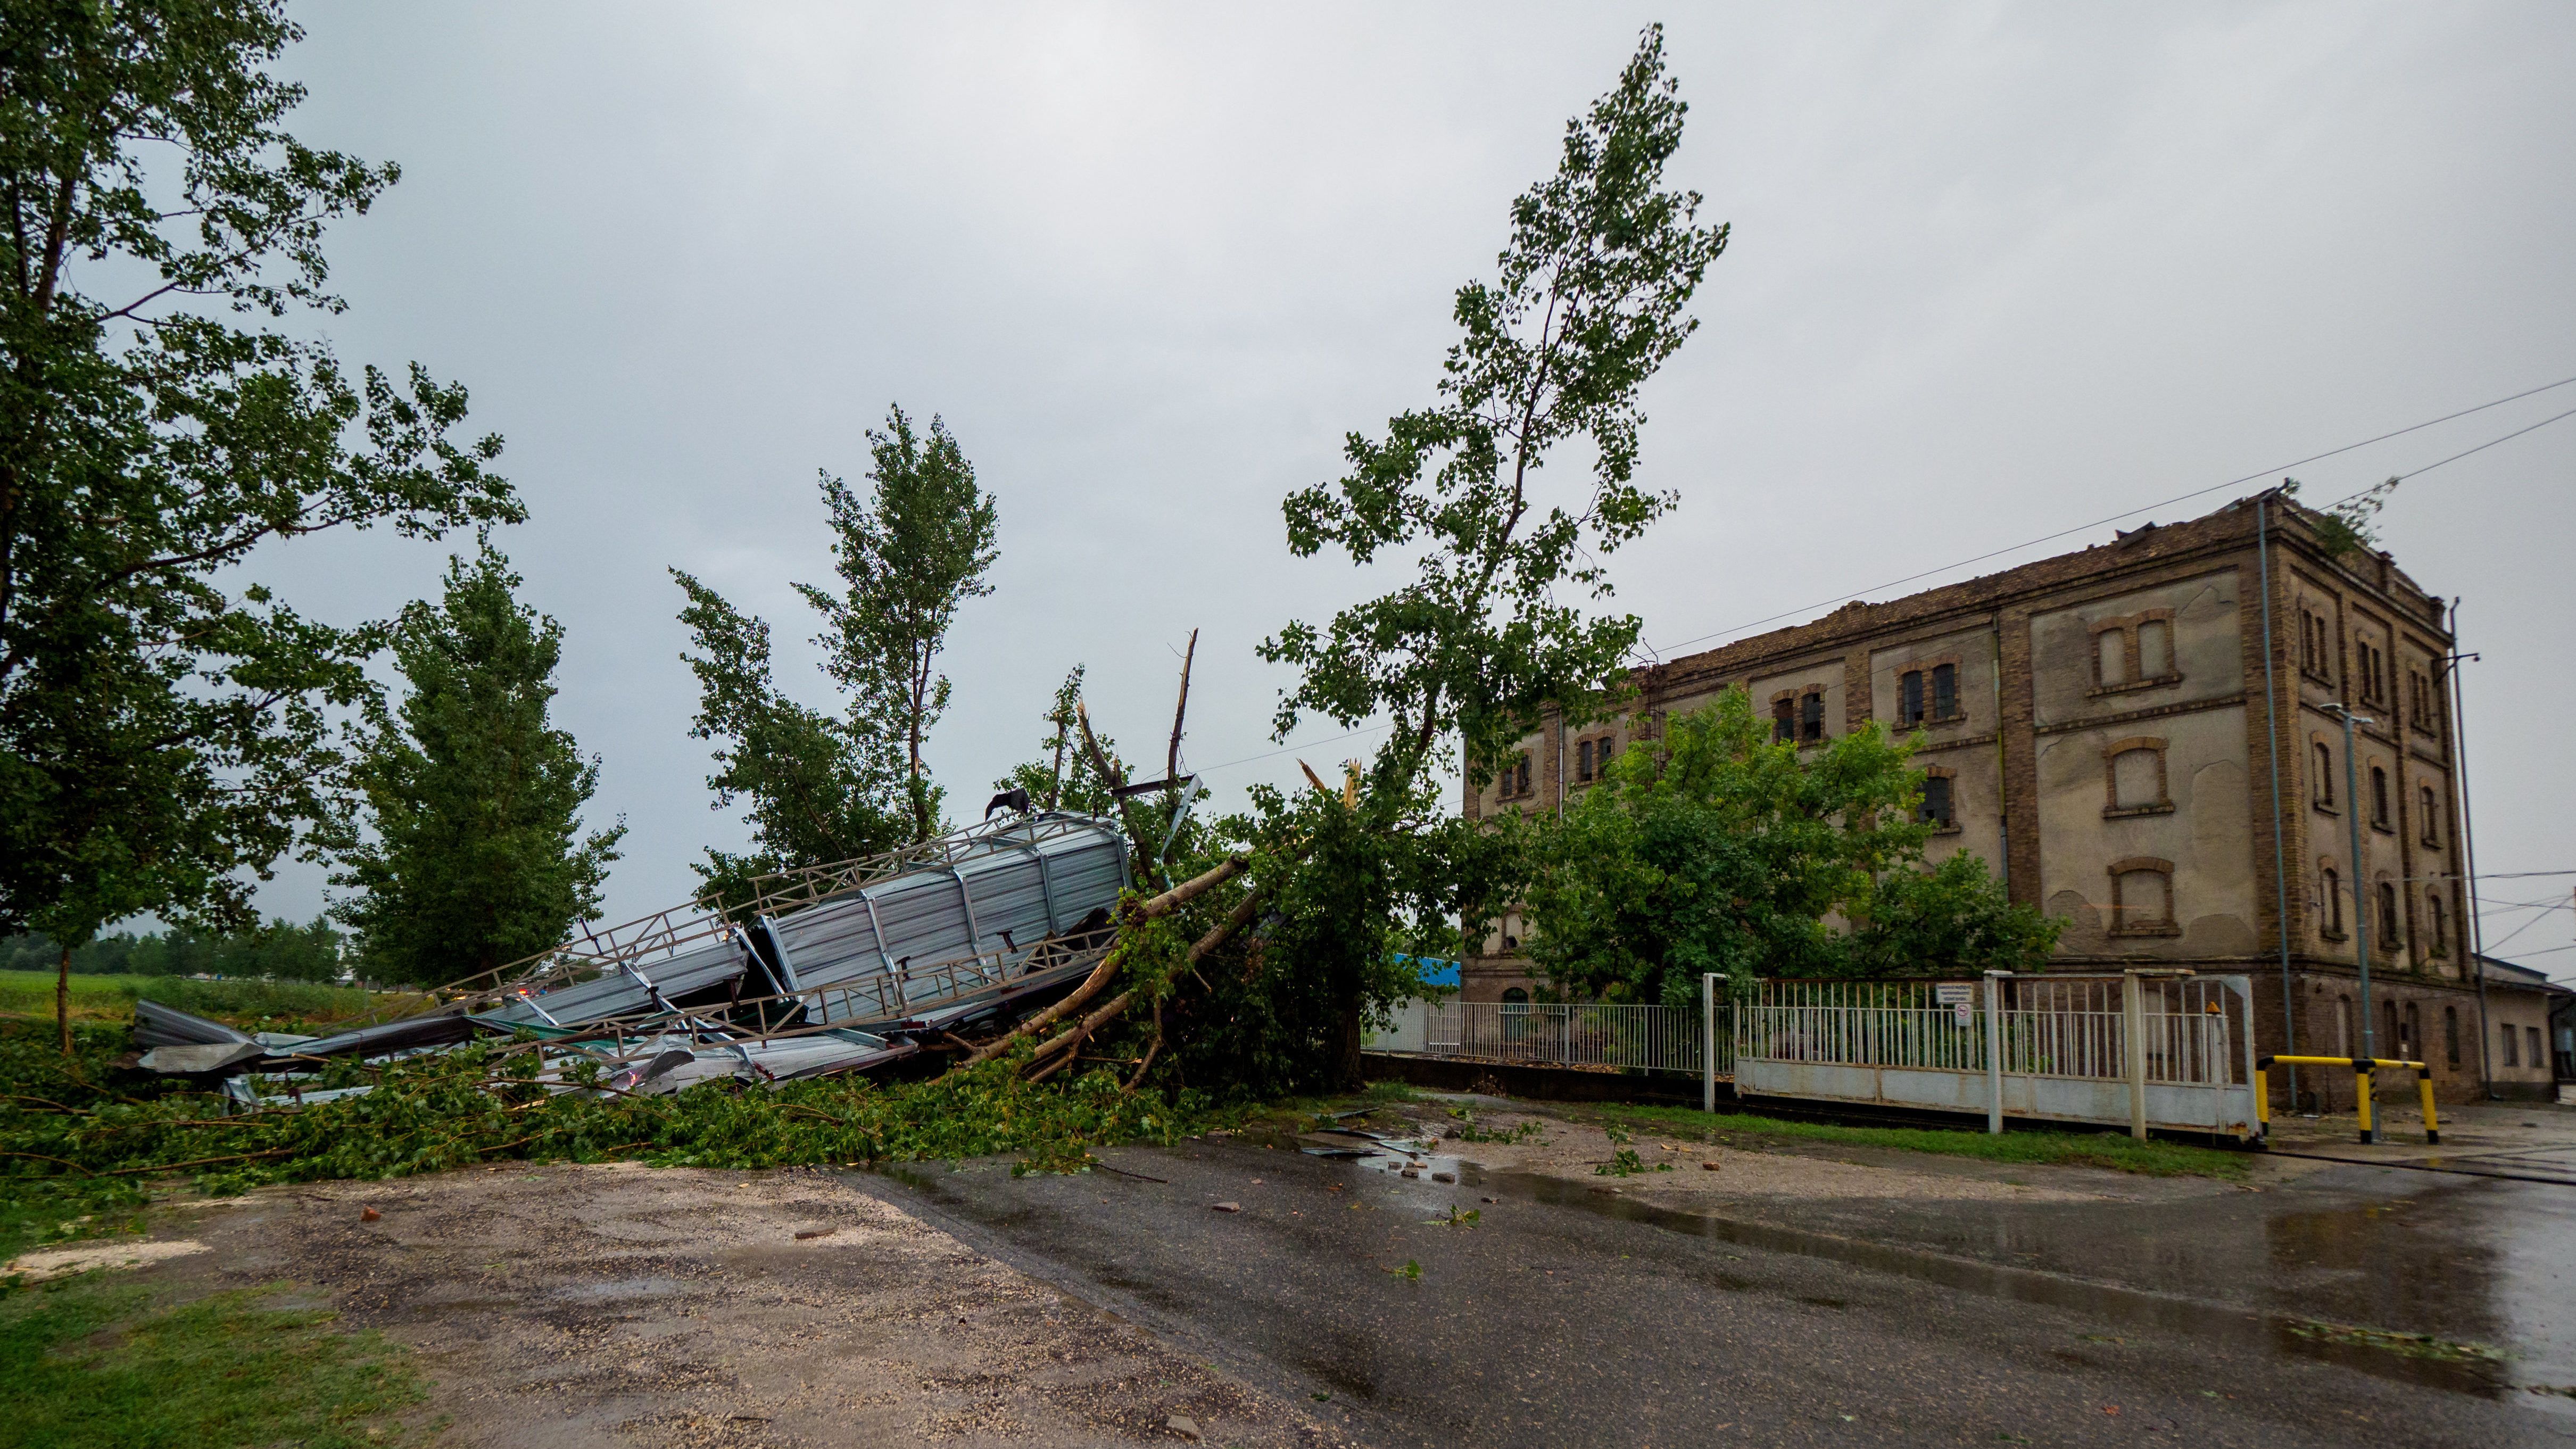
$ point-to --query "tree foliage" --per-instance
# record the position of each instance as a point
(1713, 849)
(1586, 305)
(164, 736)
(1064, 777)
(817, 788)
(476, 856)
(279, 950)
(909, 554)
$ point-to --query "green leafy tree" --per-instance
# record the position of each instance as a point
(1587, 303)
(164, 734)
(817, 788)
(476, 857)
(909, 554)
(1716, 850)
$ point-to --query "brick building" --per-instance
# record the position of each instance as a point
(2095, 726)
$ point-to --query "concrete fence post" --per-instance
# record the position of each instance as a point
(1995, 1051)
(2133, 1049)
(1708, 1042)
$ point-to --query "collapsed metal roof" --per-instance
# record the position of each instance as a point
(844, 967)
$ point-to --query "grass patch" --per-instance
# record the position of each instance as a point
(2071, 1149)
(254, 1003)
(94, 1362)
(2412, 1345)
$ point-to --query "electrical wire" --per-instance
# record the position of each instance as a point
(1654, 653)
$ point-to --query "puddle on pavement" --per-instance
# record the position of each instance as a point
(2405, 1358)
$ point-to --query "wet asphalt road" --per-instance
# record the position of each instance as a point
(1567, 1316)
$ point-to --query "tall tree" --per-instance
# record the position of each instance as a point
(477, 856)
(909, 554)
(1065, 778)
(819, 788)
(1588, 301)
(163, 738)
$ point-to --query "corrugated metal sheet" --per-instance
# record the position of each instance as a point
(629, 987)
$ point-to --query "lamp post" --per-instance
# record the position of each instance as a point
(2360, 900)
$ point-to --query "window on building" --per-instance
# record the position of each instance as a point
(2343, 1026)
(2410, 1041)
(1811, 718)
(2388, 916)
(1909, 698)
(2330, 902)
(2111, 657)
(2539, 1055)
(1521, 775)
(2429, 812)
(1601, 757)
(2512, 1046)
(1583, 760)
(2155, 649)
(2138, 778)
(2391, 1041)
(2379, 797)
(1936, 808)
(2325, 775)
(1784, 719)
(2142, 898)
(1515, 996)
(2451, 1034)
(1945, 691)
(2437, 924)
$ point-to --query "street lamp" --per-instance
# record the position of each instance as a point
(2360, 901)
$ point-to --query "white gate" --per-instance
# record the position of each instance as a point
(2170, 1050)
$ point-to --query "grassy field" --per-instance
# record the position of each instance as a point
(93, 1362)
(31, 993)
(2071, 1149)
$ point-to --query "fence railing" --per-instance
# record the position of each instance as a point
(1638, 1038)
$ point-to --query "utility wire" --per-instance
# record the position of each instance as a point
(1292, 749)
(2177, 498)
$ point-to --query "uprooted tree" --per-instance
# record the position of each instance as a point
(1257, 971)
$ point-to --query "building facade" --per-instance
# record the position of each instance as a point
(2121, 737)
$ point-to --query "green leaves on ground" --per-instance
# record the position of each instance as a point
(476, 857)
(1713, 849)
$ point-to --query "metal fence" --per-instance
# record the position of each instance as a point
(1600, 1037)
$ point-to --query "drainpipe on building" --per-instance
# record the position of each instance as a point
(2360, 898)
(2469, 847)
(2003, 801)
(2280, 857)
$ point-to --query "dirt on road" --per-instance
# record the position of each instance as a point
(565, 1306)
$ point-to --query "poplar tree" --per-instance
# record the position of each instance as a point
(476, 858)
(165, 732)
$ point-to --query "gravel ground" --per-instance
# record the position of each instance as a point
(567, 1306)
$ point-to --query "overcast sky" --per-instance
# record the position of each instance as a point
(1997, 271)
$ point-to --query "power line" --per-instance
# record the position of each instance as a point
(2177, 498)
(1292, 749)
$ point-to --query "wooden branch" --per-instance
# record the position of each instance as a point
(1072, 1003)
(1181, 710)
(1249, 907)
(1089, 1024)
(1193, 888)
(1311, 777)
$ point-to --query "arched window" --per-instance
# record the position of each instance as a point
(1521, 775)
(1945, 691)
(2142, 901)
(2111, 657)
(2325, 775)
(1811, 718)
(2379, 797)
(2155, 649)
(2410, 1044)
(2429, 811)
(2451, 1034)
(2388, 917)
(2437, 925)
(1583, 760)
(2330, 902)
(1909, 698)
(2137, 777)
(1515, 996)
(1937, 806)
